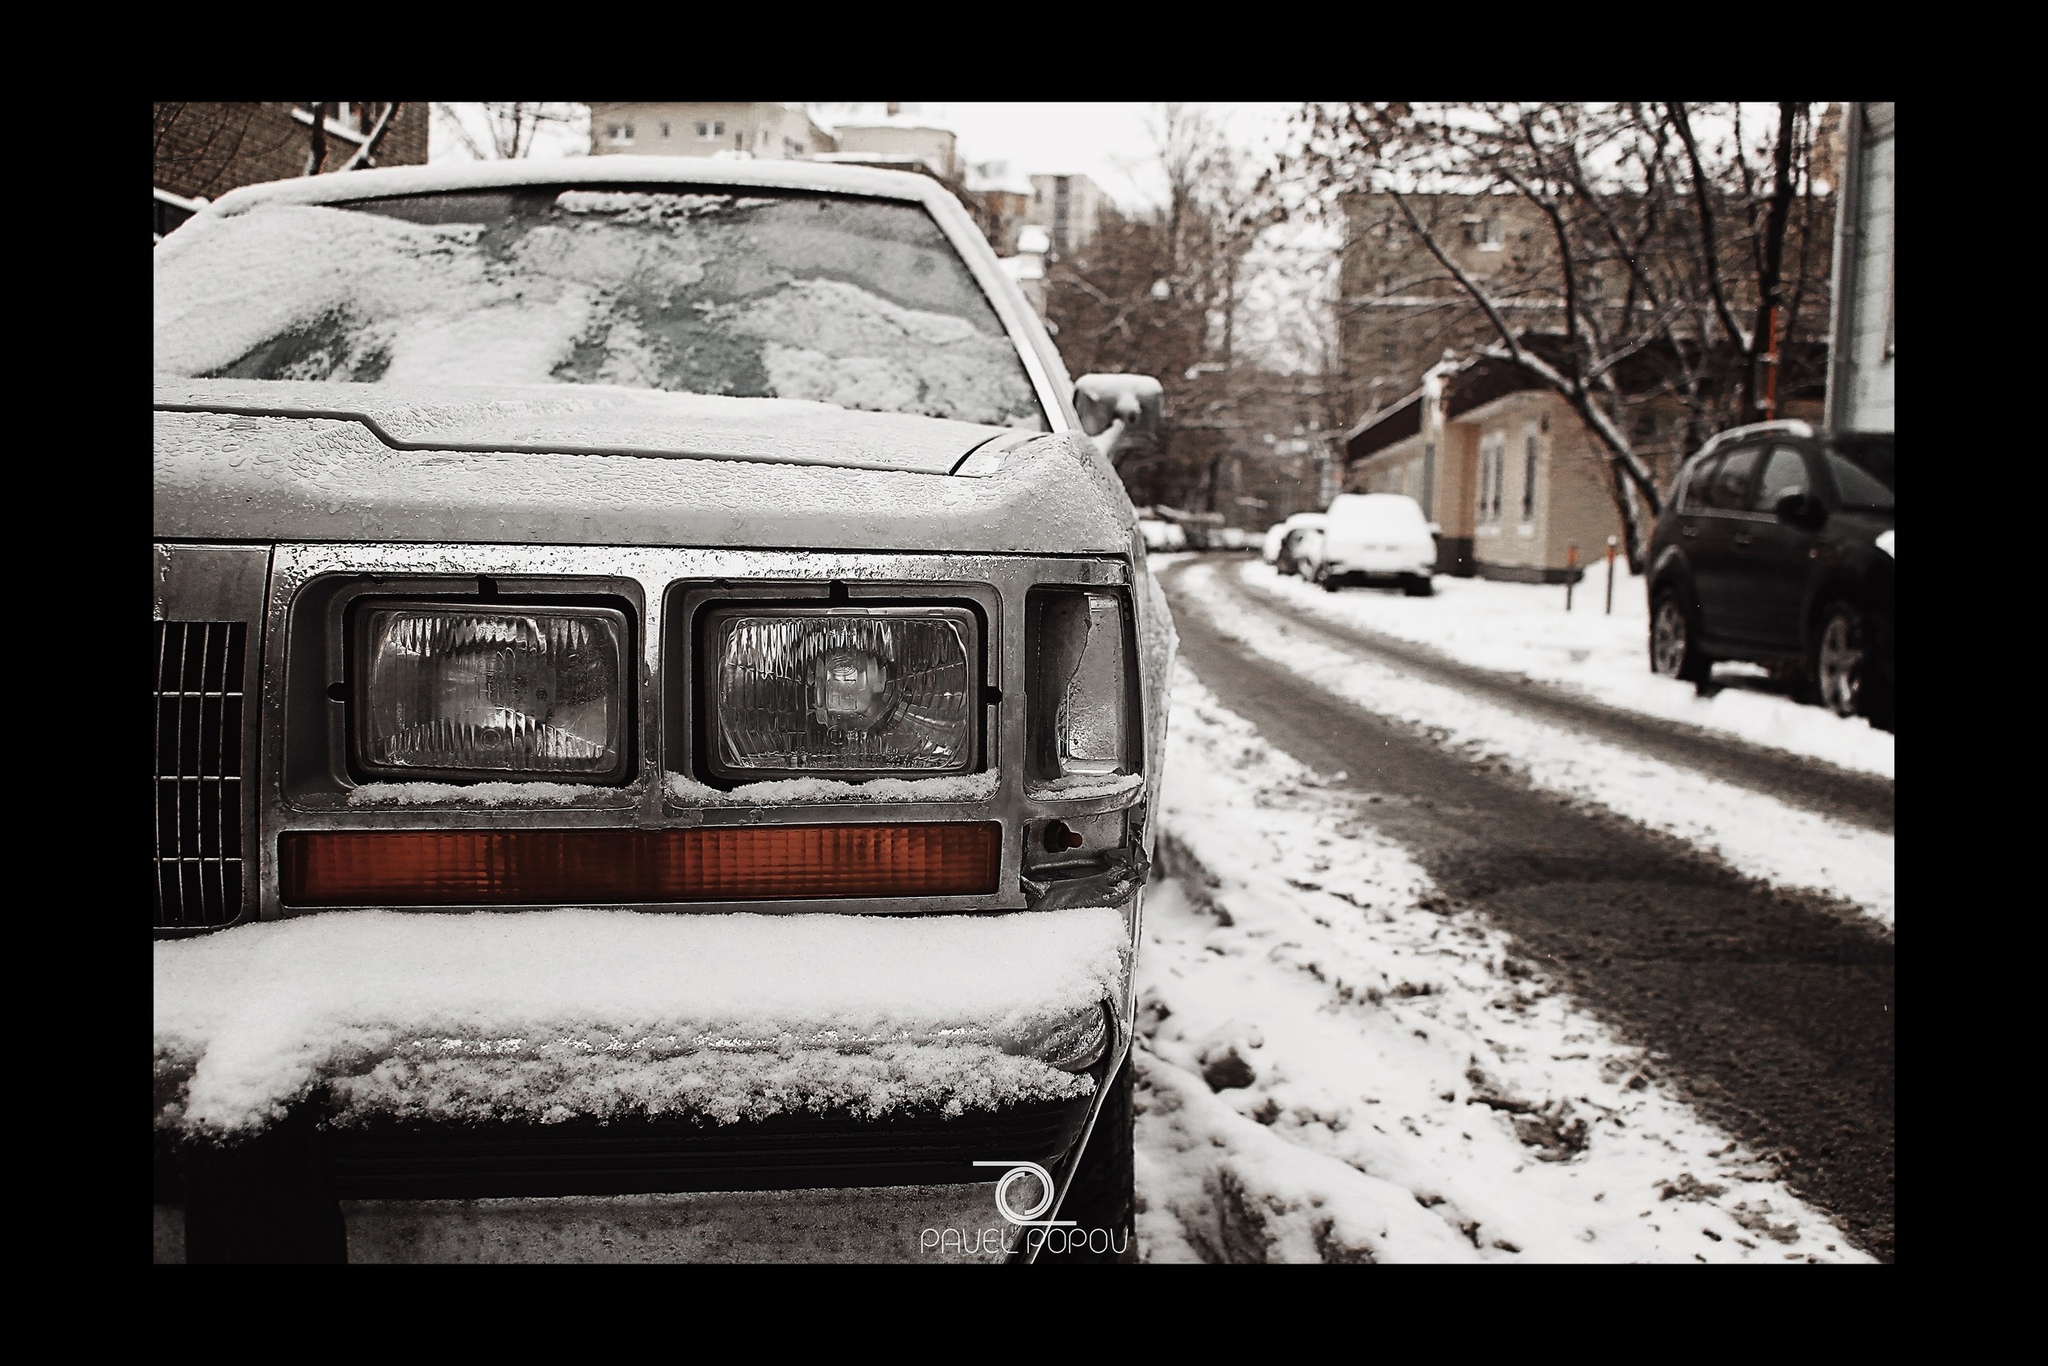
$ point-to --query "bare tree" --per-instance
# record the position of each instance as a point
(1699, 230)
(1161, 293)
(373, 121)
(503, 131)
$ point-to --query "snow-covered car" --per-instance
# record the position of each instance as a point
(1297, 546)
(1373, 538)
(709, 569)
(1276, 534)
(1162, 536)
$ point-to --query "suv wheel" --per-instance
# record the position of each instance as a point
(1838, 659)
(1674, 641)
(1418, 588)
(1103, 1194)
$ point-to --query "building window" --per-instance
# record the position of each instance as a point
(664, 129)
(711, 131)
(1489, 234)
(1529, 477)
(1493, 460)
(620, 134)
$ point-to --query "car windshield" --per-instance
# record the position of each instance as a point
(862, 303)
(1862, 467)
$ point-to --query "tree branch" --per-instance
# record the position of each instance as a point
(1703, 202)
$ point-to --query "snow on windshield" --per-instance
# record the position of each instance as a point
(859, 303)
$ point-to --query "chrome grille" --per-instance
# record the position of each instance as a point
(199, 787)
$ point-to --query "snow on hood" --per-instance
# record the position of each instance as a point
(553, 1014)
(572, 418)
(751, 472)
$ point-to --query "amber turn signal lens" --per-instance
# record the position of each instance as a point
(585, 867)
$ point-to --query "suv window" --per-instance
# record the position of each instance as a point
(862, 303)
(1728, 491)
(1784, 473)
(1696, 484)
(1863, 483)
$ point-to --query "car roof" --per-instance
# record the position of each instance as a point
(445, 177)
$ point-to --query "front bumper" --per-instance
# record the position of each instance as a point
(802, 1189)
(899, 1224)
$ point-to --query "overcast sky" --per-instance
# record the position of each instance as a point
(1108, 142)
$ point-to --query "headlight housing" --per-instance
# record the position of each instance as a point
(841, 691)
(451, 690)
(1081, 681)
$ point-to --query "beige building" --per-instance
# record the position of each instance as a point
(900, 142)
(1514, 480)
(766, 129)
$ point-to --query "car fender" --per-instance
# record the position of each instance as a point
(1671, 570)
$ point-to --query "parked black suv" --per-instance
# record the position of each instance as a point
(1776, 547)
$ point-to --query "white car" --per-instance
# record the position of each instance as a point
(1373, 538)
(1162, 536)
(1277, 533)
(1293, 535)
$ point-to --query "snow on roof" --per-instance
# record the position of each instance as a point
(441, 177)
(551, 1014)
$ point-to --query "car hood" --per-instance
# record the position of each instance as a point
(576, 419)
(267, 461)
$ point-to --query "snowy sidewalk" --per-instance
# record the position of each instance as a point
(1523, 628)
(1333, 1071)
(1757, 835)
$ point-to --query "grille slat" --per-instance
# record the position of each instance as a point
(200, 796)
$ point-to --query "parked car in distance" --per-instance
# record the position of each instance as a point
(1380, 539)
(1269, 549)
(1300, 537)
(1776, 548)
(1162, 536)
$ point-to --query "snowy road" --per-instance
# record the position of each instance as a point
(1603, 999)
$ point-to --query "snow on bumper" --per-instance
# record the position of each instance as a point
(554, 1014)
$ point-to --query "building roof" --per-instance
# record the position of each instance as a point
(1479, 380)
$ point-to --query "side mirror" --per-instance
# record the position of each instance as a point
(1801, 510)
(1125, 414)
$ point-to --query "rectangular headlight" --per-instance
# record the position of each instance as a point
(883, 690)
(1080, 684)
(458, 691)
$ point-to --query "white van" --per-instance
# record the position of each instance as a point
(1374, 538)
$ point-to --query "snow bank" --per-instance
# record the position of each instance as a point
(1333, 1071)
(1522, 628)
(1755, 834)
(971, 787)
(547, 1015)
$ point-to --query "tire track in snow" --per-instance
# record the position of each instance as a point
(1395, 1084)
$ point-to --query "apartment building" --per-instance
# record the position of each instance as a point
(1069, 208)
(766, 129)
